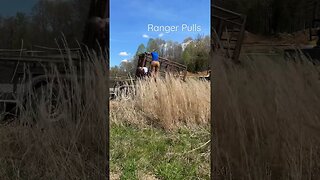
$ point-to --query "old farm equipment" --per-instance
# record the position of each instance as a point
(166, 66)
(122, 86)
(22, 67)
(228, 30)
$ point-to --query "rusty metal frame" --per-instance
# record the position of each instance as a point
(47, 54)
(223, 20)
(167, 65)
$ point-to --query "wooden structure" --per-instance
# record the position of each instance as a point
(24, 68)
(122, 85)
(166, 66)
(227, 30)
(13, 63)
(314, 9)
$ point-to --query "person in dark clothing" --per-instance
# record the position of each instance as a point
(142, 70)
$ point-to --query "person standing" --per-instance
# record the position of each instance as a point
(155, 64)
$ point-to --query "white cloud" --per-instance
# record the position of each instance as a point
(123, 54)
(145, 36)
(125, 61)
(160, 35)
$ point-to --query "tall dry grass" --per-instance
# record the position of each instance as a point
(266, 119)
(169, 103)
(39, 145)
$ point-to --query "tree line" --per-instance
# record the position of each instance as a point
(47, 22)
(194, 53)
(49, 19)
(273, 16)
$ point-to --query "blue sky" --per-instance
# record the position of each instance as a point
(129, 21)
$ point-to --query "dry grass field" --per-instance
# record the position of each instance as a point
(160, 135)
(169, 103)
(161, 131)
(265, 126)
(40, 145)
(266, 119)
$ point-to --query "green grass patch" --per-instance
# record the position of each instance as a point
(136, 152)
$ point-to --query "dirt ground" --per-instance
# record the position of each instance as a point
(296, 38)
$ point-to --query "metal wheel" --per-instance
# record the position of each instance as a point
(49, 103)
(124, 92)
(7, 112)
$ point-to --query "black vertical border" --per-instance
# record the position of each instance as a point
(107, 150)
(212, 96)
